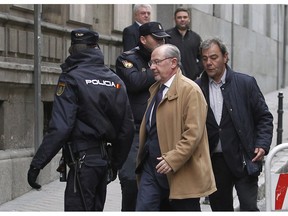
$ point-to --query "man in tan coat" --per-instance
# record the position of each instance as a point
(173, 160)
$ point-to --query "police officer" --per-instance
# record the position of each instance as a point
(90, 108)
(132, 67)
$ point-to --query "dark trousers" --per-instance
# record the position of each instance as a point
(93, 180)
(129, 194)
(127, 177)
(246, 187)
(150, 192)
(191, 204)
(153, 195)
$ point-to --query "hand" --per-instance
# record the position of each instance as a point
(163, 167)
(111, 175)
(32, 176)
(259, 154)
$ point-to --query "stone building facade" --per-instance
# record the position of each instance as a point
(255, 34)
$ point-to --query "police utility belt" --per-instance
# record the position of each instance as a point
(95, 156)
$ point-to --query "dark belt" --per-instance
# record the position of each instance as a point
(90, 151)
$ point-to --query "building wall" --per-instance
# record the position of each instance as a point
(254, 34)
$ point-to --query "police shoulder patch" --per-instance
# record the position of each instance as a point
(60, 88)
(127, 64)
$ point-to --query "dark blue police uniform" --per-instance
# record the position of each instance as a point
(90, 108)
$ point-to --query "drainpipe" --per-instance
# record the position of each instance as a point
(278, 48)
(37, 76)
(283, 84)
(232, 37)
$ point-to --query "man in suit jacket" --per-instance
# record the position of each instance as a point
(239, 125)
(132, 67)
(142, 14)
(173, 160)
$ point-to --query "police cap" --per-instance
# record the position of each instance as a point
(153, 28)
(84, 36)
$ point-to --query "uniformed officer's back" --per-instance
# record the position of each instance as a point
(90, 109)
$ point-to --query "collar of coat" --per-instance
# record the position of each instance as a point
(204, 80)
(173, 90)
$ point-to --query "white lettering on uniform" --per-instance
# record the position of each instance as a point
(100, 82)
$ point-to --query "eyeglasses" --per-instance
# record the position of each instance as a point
(157, 61)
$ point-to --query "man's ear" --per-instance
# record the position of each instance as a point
(142, 39)
(174, 63)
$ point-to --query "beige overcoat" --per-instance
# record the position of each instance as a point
(183, 140)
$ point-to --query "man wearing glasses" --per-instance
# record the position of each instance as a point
(173, 162)
(132, 67)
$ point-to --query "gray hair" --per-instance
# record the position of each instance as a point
(138, 6)
(172, 51)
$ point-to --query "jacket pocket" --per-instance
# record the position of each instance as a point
(254, 168)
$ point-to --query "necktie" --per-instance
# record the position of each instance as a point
(158, 98)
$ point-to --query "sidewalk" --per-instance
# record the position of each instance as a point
(51, 196)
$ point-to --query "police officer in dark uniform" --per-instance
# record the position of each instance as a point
(132, 67)
(90, 109)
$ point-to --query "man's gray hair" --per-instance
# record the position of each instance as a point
(172, 51)
(138, 6)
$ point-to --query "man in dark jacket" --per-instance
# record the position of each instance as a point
(240, 128)
(130, 37)
(132, 67)
(91, 108)
(188, 43)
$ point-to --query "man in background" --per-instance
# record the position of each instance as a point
(142, 14)
(188, 43)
